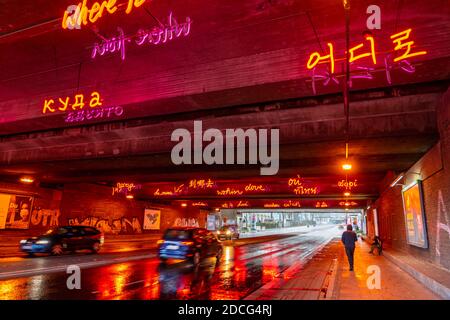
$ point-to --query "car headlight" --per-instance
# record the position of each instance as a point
(23, 241)
(42, 242)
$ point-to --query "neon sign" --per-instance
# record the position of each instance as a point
(201, 184)
(97, 113)
(366, 50)
(229, 192)
(347, 204)
(254, 188)
(79, 103)
(291, 204)
(321, 204)
(271, 205)
(124, 187)
(199, 204)
(348, 184)
(155, 36)
(74, 16)
(176, 190)
(300, 188)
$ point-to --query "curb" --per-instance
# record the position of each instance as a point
(292, 269)
(433, 285)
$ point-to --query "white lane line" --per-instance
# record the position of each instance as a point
(85, 265)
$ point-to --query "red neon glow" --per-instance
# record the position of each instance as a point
(407, 46)
(321, 204)
(201, 184)
(199, 204)
(83, 14)
(347, 184)
(271, 205)
(254, 188)
(315, 58)
(173, 192)
(363, 55)
(229, 192)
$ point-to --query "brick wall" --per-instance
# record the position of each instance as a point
(96, 206)
(435, 169)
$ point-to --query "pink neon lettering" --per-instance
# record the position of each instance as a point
(157, 35)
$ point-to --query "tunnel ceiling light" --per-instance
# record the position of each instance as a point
(397, 180)
(347, 166)
(26, 180)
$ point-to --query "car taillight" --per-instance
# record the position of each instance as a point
(187, 243)
(160, 242)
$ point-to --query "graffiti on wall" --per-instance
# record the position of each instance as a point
(45, 217)
(440, 225)
(186, 222)
(116, 226)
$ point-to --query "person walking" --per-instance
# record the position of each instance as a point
(349, 238)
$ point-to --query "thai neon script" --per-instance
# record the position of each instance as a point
(76, 15)
(321, 204)
(301, 190)
(157, 35)
(366, 50)
(290, 204)
(348, 184)
(94, 114)
(76, 103)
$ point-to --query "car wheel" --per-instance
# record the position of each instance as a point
(196, 259)
(95, 247)
(30, 255)
(57, 250)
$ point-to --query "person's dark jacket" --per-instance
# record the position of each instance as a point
(349, 238)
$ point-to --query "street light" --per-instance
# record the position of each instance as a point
(347, 166)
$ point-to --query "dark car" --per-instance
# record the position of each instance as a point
(228, 233)
(64, 239)
(189, 243)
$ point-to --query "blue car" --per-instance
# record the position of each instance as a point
(189, 243)
(64, 239)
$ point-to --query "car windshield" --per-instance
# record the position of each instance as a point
(174, 234)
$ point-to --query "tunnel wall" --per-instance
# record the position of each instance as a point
(435, 170)
(95, 205)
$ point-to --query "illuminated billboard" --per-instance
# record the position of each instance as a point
(413, 208)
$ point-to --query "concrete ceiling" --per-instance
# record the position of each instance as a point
(243, 65)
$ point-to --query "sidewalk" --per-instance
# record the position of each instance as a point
(326, 276)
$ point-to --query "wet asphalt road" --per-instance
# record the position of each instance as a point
(243, 269)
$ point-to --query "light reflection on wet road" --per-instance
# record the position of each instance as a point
(242, 270)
